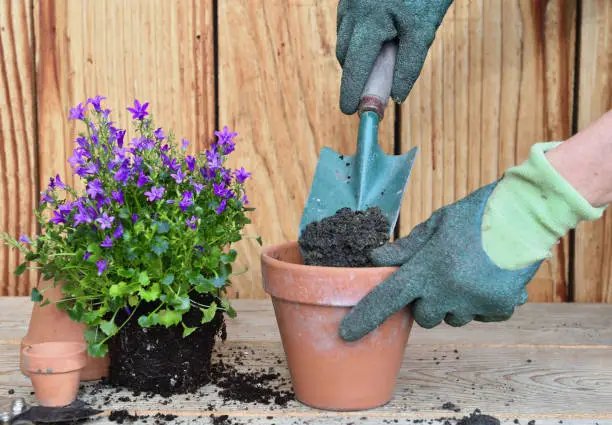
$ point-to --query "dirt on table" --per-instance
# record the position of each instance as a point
(159, 359)
(344, 239)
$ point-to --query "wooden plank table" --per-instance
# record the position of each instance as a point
(551, 363)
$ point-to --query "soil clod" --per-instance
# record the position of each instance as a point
(344, 239)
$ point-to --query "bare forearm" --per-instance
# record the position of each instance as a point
(585, 161)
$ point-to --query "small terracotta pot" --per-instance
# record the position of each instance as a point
(49, 323)
(54, 369)
(309, 303)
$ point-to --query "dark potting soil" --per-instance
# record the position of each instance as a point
(344, 239)
(478, 418)
(158, 359)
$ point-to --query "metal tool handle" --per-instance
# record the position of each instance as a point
(375, 95)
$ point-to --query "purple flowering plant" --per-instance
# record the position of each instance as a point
(152, 225)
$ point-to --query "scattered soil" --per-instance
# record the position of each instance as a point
(451, 406)
(121, 416)
(477, 418)
(344, 239)
(159, 359)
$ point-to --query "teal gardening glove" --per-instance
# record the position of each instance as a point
(472, 260)
(364, 25)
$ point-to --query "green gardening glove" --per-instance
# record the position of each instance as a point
(364, 25)
(444, 271)
(472, 260)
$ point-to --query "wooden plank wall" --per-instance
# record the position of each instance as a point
(499, 77)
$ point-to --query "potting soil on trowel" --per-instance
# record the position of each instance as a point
(344, 239)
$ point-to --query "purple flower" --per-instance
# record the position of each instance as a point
(241, 175)
(164, 148)
(106, 221)
(82, 216)
(206, 173)
(197, 186)
(220, 190)
(86, 256)
(118, 231)
(191, 162)
(123, 174)
(134, 218)
(59, 183)
(170, 201)
(46, 197)
(225, 135)
(159, 134)
(191, 222)
(106, 113)
(101, 264)
(187, 201)
(142, 179)
(57, 218)
(214, 160)
(116, 134)
(77, 113)
(228, 147)
(222, 206)
(244, 199)
(76, 159)
(147, 144)
(94, 189)
(119, 152)
(82, 142)
(170, 163)
(95, 102)
(179, 176)
(91, 169)
(107, 242)
(139, 111)
(23, 238)
(185, 143)
(117, 196)
(155, 193)
(199, 248)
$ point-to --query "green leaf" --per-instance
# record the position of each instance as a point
(133, 301)
(230, 256)
(143, 278)
(259, 241)
(159, 245)
(45, 302)
(229, 310)
(218, 281)
(127, 236)
(76, 313)
(150, 294)
(167, 280)
(139, 227)
(109, 328)
(209, 313)
(169, 317)
(22, 268)
(126, 272)
(146, 321)
(92, 247)
(97, 350)
(162, 227)
(202, 285)
(187, 331)
(92, 335)
(91, 317)
(36, 295)
(118, 290)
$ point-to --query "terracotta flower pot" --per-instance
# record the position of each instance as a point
(54, 369)
(310, 302)
(49, 324)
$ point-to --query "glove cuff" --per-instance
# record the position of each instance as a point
(531, 208)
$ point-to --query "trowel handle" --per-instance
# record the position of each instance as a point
(375, 95)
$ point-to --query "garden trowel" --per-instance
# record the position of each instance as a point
(370, 178)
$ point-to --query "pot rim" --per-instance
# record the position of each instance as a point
(76, 351)
(317, 285)
(266, 257)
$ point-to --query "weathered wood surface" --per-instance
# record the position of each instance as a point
(551, 362)
(18, 162)
(279, 84)
(155, 51)
(498, 78)
(594, 239)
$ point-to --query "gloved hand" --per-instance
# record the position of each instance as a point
(472, 260)
(364, 25)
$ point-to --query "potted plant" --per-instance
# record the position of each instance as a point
(314, 283)
(143, 252)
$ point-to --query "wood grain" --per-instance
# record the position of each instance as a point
(498, 78)
(155, 51)
(18, 156)
(279, 84)
(532, 381)
(593, 267)
(535, 325)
